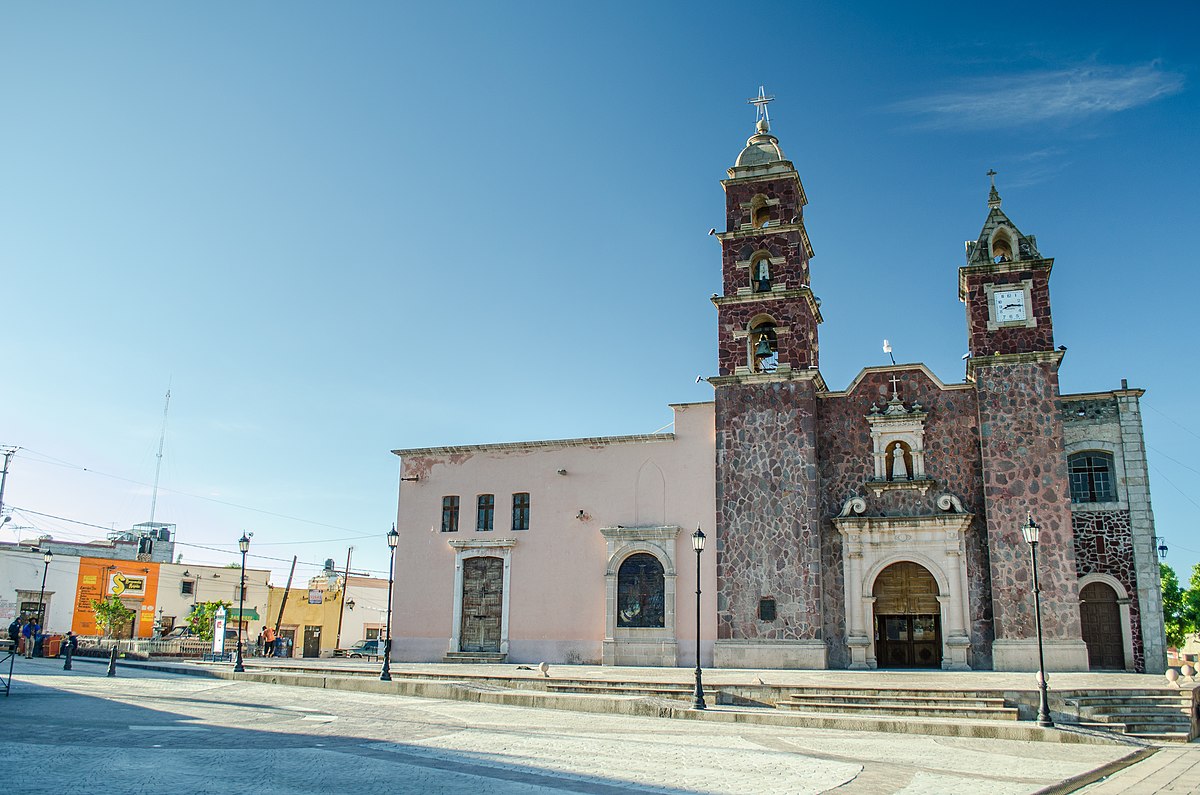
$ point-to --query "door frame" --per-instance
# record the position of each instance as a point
(481, 548)
(1123, 602)
(881, 640)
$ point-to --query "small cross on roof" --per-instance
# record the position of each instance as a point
(760, 105)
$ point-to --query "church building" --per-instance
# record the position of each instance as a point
(874, 526)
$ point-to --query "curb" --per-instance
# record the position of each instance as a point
(1078, 782)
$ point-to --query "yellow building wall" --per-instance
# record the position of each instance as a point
(299, 613)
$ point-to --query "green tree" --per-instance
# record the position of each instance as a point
(111, 614)
(1181, 606)
(202, 618)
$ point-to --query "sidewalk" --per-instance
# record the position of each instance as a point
(1173, 769)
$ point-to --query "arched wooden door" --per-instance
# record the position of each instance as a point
(908, 622)
(1100, 617)
(482, 604)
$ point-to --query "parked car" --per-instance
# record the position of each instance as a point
(364, 648)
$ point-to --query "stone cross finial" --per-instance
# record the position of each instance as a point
(760, 106)
(993, 194)
(895, 388)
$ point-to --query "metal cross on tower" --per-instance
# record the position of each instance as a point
(992, 173)
(760, 105)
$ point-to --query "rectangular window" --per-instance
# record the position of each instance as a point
(486, 513)
(187, 587)
(450, 514)
(237, 593)
(520, 512)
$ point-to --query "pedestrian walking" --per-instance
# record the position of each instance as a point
(30, 633)
(268, 635)
(260, 647)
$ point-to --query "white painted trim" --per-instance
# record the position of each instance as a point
(481, 548)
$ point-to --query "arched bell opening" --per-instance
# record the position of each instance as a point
(760, 274)
(760, 213)
(763, 346)
(1002, 246)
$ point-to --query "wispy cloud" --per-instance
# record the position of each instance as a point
(1064, 96)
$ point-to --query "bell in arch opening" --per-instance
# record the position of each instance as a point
(764, 348)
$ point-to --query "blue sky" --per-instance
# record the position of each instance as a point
(335, 230)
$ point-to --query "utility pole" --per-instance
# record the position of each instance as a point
(287, 590)
(337, 642)
(9, 452)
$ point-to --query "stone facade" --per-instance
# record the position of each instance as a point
(768, 536)
(951, 460)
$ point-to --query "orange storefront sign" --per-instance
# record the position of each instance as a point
(134, 582)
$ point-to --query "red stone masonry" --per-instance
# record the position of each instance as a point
(1104, 545)
(845, 463)
(1009, 339)
(768, 536)
(788, 244)
(785, 188)
(797, 345)
(1025, 469)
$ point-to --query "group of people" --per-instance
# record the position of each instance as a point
(27, 631)
(268, 643)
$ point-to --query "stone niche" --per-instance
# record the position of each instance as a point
(935, 542)
(640, 645)
(898, 446)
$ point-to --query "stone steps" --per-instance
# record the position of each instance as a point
(931, 710)
(474, 657)
(1159, 716)
(676, 692)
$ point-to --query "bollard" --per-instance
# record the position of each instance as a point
(67, 664)
(112, 662)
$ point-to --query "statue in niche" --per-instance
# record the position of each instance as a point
(899, 470)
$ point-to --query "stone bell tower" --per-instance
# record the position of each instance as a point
(769, 611)
(1005, 285)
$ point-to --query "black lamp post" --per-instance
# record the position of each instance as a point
(698, 545)
(244, 546)
(1032, 533)
(393, 539)
(46, 556)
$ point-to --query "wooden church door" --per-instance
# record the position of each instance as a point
(1100, 617)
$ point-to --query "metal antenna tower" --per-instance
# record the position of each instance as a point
(158, 466)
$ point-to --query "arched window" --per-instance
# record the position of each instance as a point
(760, 274)
(760, 213)
(1091, 474)
(1002, 248)
(640, 592)
(764, 347)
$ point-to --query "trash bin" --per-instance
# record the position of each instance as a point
(50, 645)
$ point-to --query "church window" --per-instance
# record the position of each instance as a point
(485, 512)
(450, 514)
(766, 609)
(520, 511)
(1091, 475)
(641, 592)
(764, 347)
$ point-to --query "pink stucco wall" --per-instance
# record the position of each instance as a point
(557, 576)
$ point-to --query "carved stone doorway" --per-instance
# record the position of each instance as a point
(482, 604)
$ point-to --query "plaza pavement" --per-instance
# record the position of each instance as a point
(150, 731)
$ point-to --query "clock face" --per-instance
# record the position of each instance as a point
(1010, 305)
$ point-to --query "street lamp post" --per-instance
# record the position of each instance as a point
(1032, 533)
(244, 546)
(47, 556)
(698, 545)
(393, 539)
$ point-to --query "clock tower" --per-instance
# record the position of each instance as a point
(769, 611)
(1013, 364)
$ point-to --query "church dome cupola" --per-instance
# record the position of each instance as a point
(761, 148)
